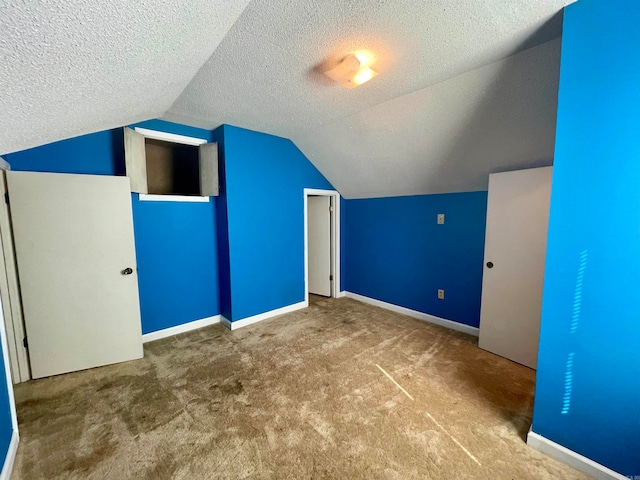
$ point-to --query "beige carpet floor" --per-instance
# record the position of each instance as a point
(341, 390)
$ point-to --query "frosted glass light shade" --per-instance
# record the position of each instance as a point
(350, 73)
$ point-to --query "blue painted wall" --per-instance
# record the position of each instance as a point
(176, 250)
(222, 230)
(265, 178)
(343, 243)
(588, 389)
(93, 154)
(176, 244)
(397, 253)
(6, 426)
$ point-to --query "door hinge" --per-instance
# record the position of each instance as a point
(25, 343)
(331, 278)
(6, 198)
(330, 208)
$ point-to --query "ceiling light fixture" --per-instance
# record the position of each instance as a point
(351, 72)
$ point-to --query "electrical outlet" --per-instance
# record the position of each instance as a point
(441, 294)
(441, 219)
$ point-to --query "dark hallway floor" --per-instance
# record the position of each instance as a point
(338, 390)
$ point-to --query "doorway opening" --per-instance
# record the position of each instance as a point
(321, 243)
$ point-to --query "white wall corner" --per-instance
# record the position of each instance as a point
(571, 458)
(178, 329)
(425, 317)
(341, 294)
(7, 468)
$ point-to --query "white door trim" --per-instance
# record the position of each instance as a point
(14, 324)
(335, 240)
(7, 465)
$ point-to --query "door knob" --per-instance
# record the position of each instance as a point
(127, 271)
(489, 264)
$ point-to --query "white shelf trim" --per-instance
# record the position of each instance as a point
(149, 197)
(170, 137)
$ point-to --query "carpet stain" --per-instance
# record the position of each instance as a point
(299, 396)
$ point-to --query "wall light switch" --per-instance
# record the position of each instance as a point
(440, 218)
(441, 294)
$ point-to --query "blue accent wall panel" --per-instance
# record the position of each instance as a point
(396, 252)
(588, 389)
(177, 256)
(265, 180)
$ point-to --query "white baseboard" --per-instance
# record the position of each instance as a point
(461, 327)
(263, 316)
(185, 327)
(226, 322)
(341, 294)
(571, 458)
(11, 456)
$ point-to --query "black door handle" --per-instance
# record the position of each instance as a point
(489, 264)
(127, 271)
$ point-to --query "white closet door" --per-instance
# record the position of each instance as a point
(319, 250)
(514, 255)
(77, 268)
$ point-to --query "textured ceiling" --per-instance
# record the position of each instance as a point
(447, 137)
(390, 136)
(446, 109)
(69, 67)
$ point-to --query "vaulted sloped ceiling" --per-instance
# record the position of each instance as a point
(465, 88)
(69, 67)
(447, 137)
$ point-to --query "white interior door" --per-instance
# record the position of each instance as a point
(319, 249)
(514, 255)
(74, 244)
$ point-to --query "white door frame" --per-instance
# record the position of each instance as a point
(335, 240)
(14, 323)
(4, 341)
